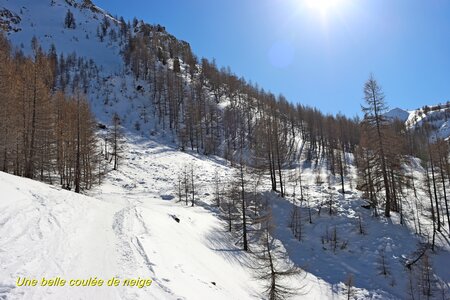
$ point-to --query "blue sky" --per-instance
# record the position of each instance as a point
(316, 56)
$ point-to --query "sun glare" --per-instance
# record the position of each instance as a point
(323, 6)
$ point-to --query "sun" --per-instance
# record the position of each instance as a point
(323, 6)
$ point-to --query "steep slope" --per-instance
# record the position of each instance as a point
(128, 232)
(126, 229)
(91, 55)
(435, 117)
(45, 20)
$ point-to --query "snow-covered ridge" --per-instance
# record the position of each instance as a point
(98, 38)
(437, 117)
(23, 20)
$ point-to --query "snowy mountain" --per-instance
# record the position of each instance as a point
(95, 37)
(45, 21)
(135, 224)
(436, 118)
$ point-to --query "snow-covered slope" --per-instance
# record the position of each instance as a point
(352, 242)
(127, 229)
(47, 232)
(44, 19)
(110, 87)
(437, 117)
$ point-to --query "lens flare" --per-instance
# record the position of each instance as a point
(323, 5)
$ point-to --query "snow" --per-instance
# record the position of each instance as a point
(126, 227)
(357, 254)
(49, 232)
(438, 117)
(46, 23)
(124, 232)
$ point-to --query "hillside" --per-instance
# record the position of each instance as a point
(126, 228)
(435, 117)
(45, 20)
(214, 175)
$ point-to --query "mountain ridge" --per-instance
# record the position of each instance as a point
(436, 118)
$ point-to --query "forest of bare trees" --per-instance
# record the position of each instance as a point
(45, 133)
(387, 150)
(213, 112)
(216, 113)
(222, 114)
(262, 130)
